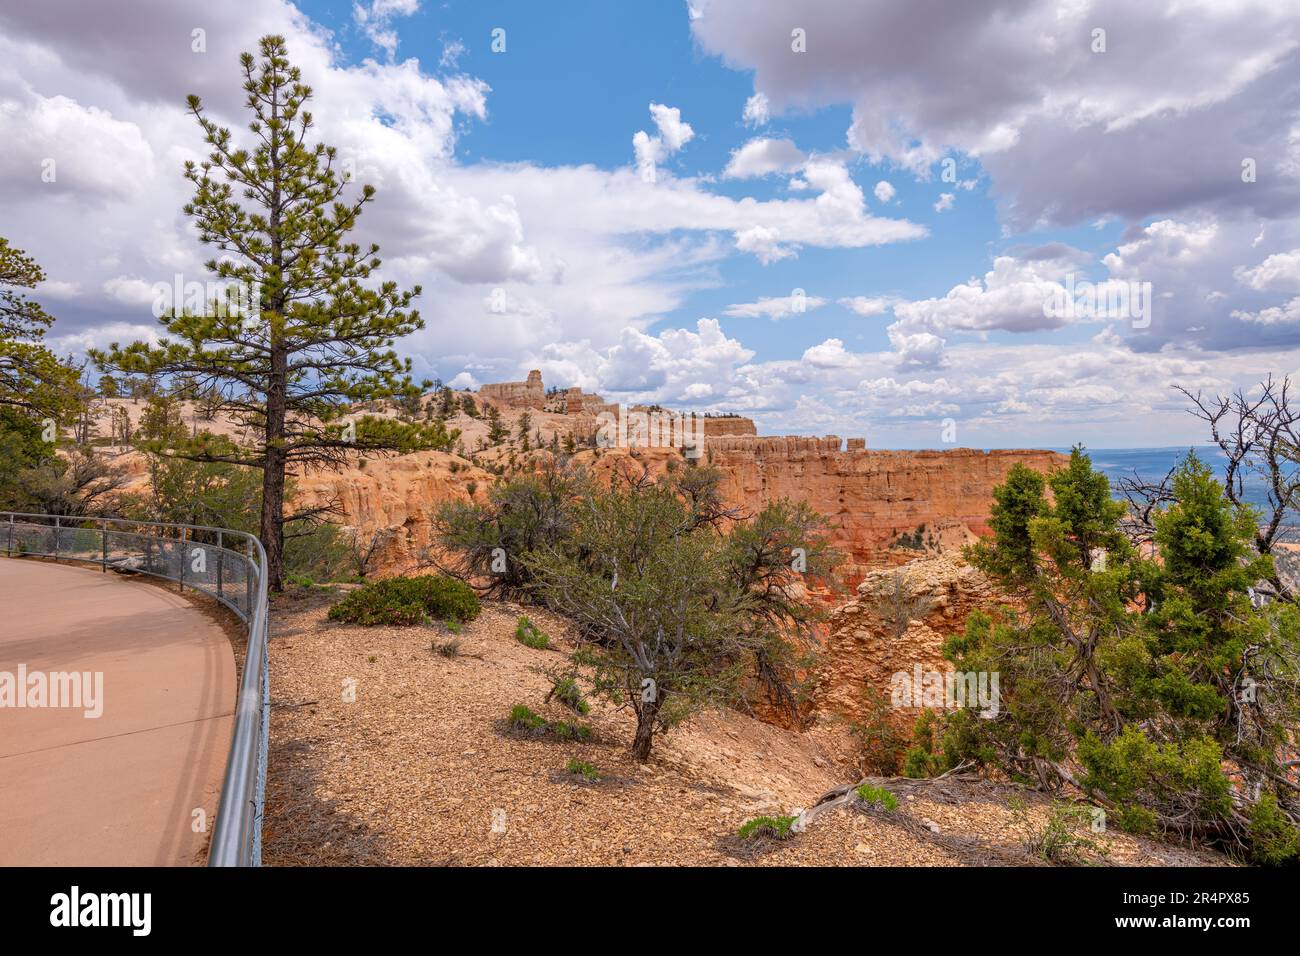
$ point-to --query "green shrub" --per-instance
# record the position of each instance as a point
(877, 798)
(527, 634)
(1057, 842)
(566, 690)
(521, 514)
(522, 717)
(917, 763)
(405, 601)
(580, 768)
(881, 744)
(1273, 839)
(567, 730)
(923, 758)
(778, 828)
(1135, 819)
(1148, 779)
(1175, 632)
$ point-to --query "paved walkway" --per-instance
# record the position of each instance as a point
(120, 789)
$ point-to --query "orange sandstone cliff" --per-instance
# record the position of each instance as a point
(884, 507)
(867, 644)
(876, 501)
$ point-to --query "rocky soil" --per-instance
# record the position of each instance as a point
(420, 768)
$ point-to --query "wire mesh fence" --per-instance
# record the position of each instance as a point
(228, 566)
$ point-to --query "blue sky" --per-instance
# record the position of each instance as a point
(605, 62)
(511, 188)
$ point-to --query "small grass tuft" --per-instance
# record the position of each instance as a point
(525, 719)
(878, 798)
(522, 717)
(777, 828)
(449, 648)
(566, 690)
(580, 768)
(527, 634)
(567, 730)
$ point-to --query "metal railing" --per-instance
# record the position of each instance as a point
(228, 566)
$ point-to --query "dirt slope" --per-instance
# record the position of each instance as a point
(420, 769)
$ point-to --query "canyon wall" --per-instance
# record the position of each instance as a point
(394, 500)
(528, 394)
(876, 501)
(869, 641)
(719, 425)
(884, 507)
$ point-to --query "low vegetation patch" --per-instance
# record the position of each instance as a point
(449, 648)
(580, 768)
(776, 828)
(524, 719)
(877, 798)
(568, 730)
(1059, 840)
(528, 634)
(404, 601)
(565, 689)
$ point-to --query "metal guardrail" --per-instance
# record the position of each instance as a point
(228, 566)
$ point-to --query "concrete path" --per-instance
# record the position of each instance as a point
(119, 789)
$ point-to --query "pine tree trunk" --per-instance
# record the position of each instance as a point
(273, 474)
(645, 730)
(277, 385)
(272, 524)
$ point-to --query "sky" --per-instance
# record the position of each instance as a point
(851, 217)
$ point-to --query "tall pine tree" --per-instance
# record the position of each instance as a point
(319, 339)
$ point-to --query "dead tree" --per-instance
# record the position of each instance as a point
(1259, 436)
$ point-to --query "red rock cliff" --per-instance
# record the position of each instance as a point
(872, 498)
(884, 506)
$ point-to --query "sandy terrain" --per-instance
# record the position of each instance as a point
(420, 769)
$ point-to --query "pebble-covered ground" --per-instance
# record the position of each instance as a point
(384, 752)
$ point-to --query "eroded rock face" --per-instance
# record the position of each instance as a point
(876, 501)
(869, 642)
(885, 507)
(719, 425)
(395, 498)
(527, 394)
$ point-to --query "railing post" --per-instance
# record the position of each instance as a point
(181, 577)
(103, 533)
(9, 551)
(56, 536)
(221, 555)
(248, 582)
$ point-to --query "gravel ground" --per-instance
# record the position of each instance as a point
(420, 769)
